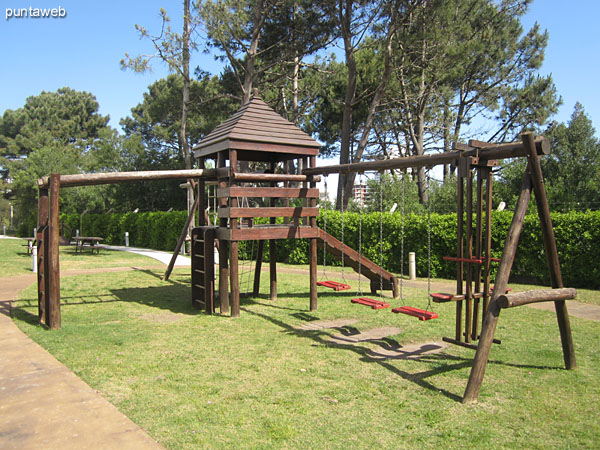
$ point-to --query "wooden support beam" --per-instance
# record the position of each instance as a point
(258, 268)
(478, 251)
(223, 245)
(469, 277)
(541, 200)
(90, 179)
(267, 232)
(277, 192)
(273, 246)
(268, 212)
(459, 251)
(493, 311)
(53, 318)
(234, 282)
(313, 246)
(272, 177)
(42, 255)
(497, 151)
(543, 295)
(181, 239)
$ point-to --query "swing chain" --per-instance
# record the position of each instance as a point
(360, 219)
(402, 211)
(381, 236)
(325, 234)
(342, 211)
(427, 187)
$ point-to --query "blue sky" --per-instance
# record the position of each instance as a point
(83, 51)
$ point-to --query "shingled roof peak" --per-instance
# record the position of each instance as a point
(257, 122)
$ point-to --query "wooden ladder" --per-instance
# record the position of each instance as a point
(203, 268)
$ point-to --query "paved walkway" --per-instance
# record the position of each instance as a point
(163, 257)
(43, 404)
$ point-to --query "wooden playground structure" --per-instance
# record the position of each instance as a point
(259, 136)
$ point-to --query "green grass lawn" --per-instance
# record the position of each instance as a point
(198, 381)
(14, 259)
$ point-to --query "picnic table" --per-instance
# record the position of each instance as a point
(30, 244)
(91, 241)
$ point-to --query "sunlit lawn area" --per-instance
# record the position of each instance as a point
(14, 259)
(261, 381)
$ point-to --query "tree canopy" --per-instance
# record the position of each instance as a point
(372, 80)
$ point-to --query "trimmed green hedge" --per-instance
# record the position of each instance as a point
(577, 236)
(156, 230)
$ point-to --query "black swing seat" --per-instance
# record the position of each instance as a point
(416, 312)
(374, 304)
(334, 285)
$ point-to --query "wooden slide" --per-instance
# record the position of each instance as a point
(368, 268)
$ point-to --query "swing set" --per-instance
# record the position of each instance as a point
(475, 296)
(421, 314)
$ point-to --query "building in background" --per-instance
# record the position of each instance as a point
(360, 194)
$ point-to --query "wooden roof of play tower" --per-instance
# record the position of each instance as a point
(258, 134)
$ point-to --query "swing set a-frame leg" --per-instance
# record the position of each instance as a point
(532, 179)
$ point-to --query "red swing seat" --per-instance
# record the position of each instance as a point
(334, 285)
(374, 304)
(416, 312)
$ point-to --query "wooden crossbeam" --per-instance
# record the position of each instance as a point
(543, 295)
(267, 212)
(274, 192)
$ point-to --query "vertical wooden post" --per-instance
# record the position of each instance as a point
(223, 246)
(551, 251)
(53, 311)
(42, 255)
(478, 251)
(201, 194)
(493, 311)
(258, 268)
(459, 247)
(234, 282)
(313, 247)
(469, 280)
(488, 240)
(273, 248)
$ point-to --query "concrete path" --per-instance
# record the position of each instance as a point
(163, 257)
(43, 404)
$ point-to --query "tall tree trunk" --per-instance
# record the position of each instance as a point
(186, 83)
(347, 109)
(447, 138)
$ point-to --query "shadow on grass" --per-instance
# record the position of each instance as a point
(323, 338)
(24, 316)
(174, 297)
